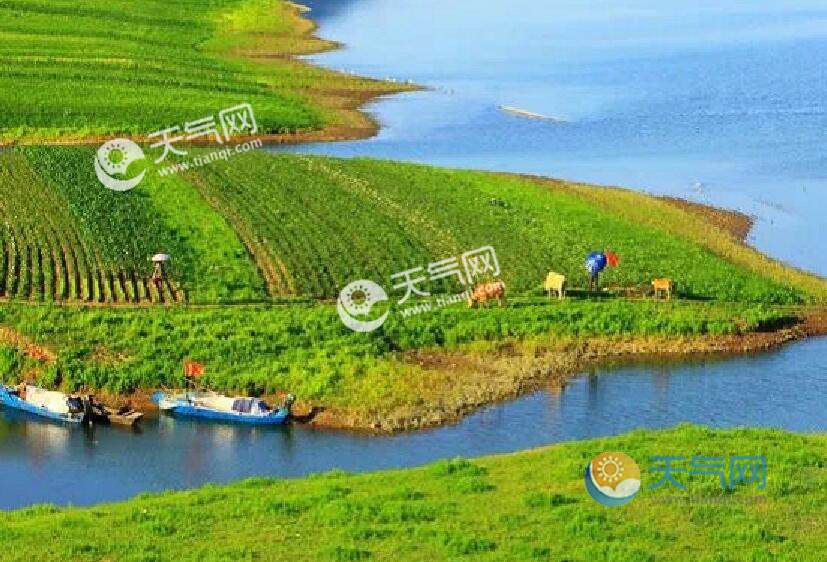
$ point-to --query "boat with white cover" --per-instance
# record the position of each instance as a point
(213, 406)
(45, 403)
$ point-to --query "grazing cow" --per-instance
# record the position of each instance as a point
(555, 282)
(663, 285)
(487, 291)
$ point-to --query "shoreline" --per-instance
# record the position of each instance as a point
(513, 371)
(542, 510)
(346, 102)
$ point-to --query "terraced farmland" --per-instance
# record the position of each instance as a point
(66, 238)
(314, 224)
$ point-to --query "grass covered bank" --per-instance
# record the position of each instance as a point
(83, 70)
(262, 244)
(413, 373)
(526, 506)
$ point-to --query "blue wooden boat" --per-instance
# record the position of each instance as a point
(44, 403)
(212, 406)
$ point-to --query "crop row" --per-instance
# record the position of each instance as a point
(47, 254)
(314, 224)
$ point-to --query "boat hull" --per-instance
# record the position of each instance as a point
(278, 417)
(12, 401)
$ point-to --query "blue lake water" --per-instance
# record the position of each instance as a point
(718, 103)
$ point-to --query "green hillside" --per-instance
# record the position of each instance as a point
(321, 222)
(526, 506)
(296, 226)
(277, 236)
(83, 69)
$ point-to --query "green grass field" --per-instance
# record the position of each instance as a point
(321, 223)
(305, 349)
(526, 506)
(278, 236)
(83, 69)
(295, 226)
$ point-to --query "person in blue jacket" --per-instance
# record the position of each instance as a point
(595, 263)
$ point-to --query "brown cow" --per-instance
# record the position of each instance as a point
(485, 292)
(664, 285)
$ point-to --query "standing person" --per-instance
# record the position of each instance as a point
(158, 279)
(594, 275)
(595, 263)
(158, 261)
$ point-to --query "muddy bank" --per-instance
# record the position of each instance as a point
(452, 384)
(457, 384)
(736, 223)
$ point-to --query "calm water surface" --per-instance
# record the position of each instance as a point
(720, 103)
(44, 462)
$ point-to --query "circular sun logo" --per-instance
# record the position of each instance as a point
(612, 478)
(357, 299)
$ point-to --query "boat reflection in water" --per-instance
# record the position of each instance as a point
(59, 464)
(40, 440)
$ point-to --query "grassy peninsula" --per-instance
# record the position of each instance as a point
(262, 244)
(87, 71)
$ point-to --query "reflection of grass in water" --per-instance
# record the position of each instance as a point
(525, 506)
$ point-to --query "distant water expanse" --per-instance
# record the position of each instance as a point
(714, 102)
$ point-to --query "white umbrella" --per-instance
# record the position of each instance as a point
(161, 257)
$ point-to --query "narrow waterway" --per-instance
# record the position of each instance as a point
(45, 462)
(719, 103)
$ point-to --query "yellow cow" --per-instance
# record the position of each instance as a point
(663, 285)
(555, 282)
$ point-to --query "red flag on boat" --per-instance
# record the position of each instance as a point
(611, 258)
(193, 369)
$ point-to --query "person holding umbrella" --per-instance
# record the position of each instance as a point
(597, 262)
